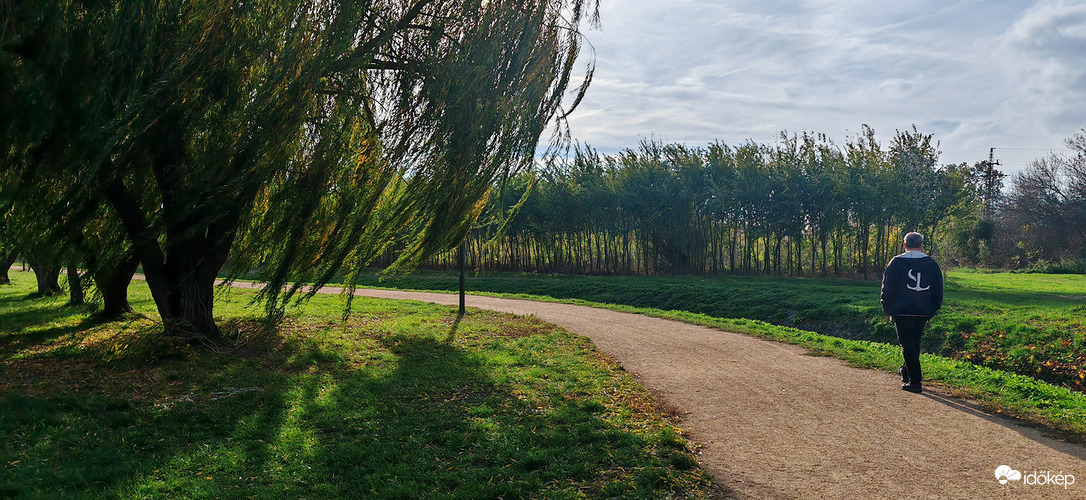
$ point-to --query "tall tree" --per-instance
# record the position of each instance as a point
(803, 206)
(312, 133)
(1047, 201)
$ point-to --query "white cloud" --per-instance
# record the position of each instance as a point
(1048, 42)
(976, 74)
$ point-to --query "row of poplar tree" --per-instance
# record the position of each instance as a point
(802, 206)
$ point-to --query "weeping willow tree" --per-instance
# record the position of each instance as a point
(302, 137)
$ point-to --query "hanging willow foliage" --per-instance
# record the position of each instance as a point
(299, 138)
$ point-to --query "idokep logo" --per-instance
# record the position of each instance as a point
(1005, 473)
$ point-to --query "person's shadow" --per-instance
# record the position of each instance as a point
(1061, 441)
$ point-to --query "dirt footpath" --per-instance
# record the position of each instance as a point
(776, 423)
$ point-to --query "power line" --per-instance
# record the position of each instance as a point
(1034, 149)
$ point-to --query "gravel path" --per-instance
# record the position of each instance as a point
(774, 422)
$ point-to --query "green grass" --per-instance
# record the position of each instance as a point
(1030, 324)
(1013, 341)
(402, 400)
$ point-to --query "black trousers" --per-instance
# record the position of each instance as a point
(909, 330)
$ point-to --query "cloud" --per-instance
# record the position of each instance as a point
(1053, 29)
(1047, 43)
(977, 74)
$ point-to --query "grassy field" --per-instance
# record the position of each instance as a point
(403, 400)
(991, 326)
(1029, 324)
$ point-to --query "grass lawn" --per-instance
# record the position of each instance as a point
(1030, 324)
(402, 400)
(1014, 341)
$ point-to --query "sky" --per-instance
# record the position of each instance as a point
(974, 74)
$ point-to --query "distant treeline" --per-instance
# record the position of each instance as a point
(805, 206)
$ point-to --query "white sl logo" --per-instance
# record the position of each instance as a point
(917, 279)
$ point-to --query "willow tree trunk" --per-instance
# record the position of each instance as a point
(48, 277)
(184, 293)
(113, 286)
(76, 297)
(181, 267)
(184, 286)
(5, 264)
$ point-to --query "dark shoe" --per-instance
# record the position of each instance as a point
(913, 388)
(901, 373)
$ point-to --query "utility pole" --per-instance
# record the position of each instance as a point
(992, 180)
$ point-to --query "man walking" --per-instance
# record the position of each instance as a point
(912, 292)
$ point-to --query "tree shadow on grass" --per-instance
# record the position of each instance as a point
(439, 423)
(18, 332)
(306, 422)
(43, 312)
(453, 328)
(15, 342)
(94, 437)
(13, 294)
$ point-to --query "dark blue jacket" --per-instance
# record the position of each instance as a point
(912, 285)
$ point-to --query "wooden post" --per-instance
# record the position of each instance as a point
(460, 262)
